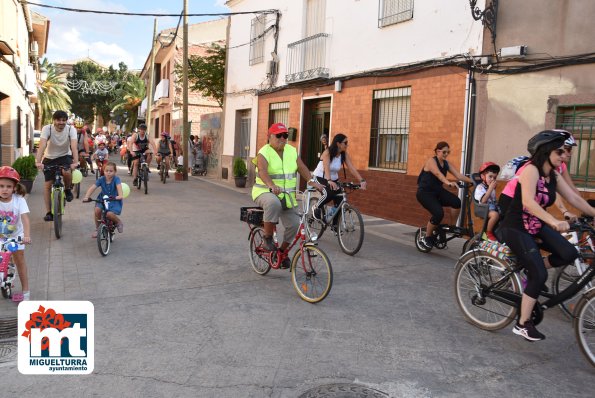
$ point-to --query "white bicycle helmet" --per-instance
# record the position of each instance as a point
(570, 141)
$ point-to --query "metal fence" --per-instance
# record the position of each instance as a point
(306, 58)
(394, 11)
(580, 121)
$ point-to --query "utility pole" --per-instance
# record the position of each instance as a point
(151, 79)
(185, 132)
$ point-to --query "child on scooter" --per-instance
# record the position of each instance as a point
(14, 222)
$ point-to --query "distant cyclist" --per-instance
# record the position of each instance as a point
(57, 146)
(432, 195)
(140, 143)
(164, 151)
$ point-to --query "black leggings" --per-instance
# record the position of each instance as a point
(523, 245)
(328, 193)
(435, 201)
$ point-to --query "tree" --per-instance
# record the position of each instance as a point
(53, 94)
(206, 74)
(128, 99)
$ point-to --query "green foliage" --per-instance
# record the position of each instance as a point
(25, 166)
(128, 99)
(180, 168)
(52, 92)
(206, 74)
(239, 168)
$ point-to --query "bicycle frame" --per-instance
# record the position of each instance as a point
(57, 188)
(6, 277)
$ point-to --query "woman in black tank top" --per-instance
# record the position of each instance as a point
(432, 195)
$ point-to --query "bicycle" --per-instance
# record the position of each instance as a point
(7, 266)
(106, 230)
(57, 198)
(447, 232)
(346, 221)
(488, 290)
(143, 173)
(567, 274)
(164, 170)
(311, 271)
(99, 170)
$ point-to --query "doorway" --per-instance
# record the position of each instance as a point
(317, 121)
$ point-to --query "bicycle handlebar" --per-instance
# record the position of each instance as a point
(97, 200)
(582, 225)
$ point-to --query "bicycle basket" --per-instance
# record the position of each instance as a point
(252, 215)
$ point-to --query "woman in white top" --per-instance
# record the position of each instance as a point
(327, 173)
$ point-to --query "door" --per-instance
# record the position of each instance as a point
(317, 120)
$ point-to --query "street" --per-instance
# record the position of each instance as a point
(179, 311)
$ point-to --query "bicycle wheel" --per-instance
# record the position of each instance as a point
(471, 243)
(562, 279)
(474, 271)
(258, 256)
(57, 212)
(77, 190)
(97, 173)
(350, 229)
(314, 226)
(419, 244)
(146, 179)
(311, 274)
(584, 325)
(103, 240)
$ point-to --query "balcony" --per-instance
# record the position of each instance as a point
(161, 90)
(306, 58)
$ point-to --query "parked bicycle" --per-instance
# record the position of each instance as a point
(311, 271)
(143, 174)
(57, 198)
(106, 230)
(447, 232)
(488, 290)
(7, 266)
(345, 220)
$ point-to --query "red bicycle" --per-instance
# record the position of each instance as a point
(311, 271)
(7, 266)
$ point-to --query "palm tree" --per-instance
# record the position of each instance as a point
(53, 94)
(129, 99)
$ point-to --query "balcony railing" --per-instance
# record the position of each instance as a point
(306, 58)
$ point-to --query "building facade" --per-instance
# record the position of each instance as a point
(390, 74)
(23, 40)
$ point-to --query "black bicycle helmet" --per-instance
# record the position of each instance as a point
(546, 137)
(142, 126)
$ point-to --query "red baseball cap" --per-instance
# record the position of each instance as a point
(277, 128)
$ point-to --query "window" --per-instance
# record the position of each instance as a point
(279, 113)
(389, 137)
(580, 121)
(394, 11)
(257, 39)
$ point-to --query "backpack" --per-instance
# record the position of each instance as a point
(512, 166)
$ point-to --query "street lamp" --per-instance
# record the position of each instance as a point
(43, 74)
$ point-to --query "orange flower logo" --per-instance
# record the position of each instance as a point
(43, 319)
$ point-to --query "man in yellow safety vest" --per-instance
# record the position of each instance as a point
(277, 163)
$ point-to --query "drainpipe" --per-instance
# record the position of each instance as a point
(468, 134)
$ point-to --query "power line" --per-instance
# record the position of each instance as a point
(141, 14)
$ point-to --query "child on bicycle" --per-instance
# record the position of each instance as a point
(111, 186)
(14, 222)
(486, 193)
(101, 155)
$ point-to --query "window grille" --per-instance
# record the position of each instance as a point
(389, 136)
(279, 113)
(394, 11)
(257, 39)
(580, 121)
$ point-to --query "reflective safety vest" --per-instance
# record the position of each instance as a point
(281, 171)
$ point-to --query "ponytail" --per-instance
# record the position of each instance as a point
(20, 189)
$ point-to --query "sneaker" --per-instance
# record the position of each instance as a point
(491, 236)
(428, 241)
(48, 216)
(528, 331)
(69, 195)
(268, 244)
(120, 227)
(286, 263)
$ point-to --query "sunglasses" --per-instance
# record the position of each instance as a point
(445, 152)
(345, 142)
(560, 151)
(282, 135)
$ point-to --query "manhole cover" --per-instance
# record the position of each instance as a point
(8, 327)
(343, 390)
(7, 351)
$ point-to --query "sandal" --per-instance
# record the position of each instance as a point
(18, 297)
(48, 216)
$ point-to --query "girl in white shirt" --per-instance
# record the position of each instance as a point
(14, 222)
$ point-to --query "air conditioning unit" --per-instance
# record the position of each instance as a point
(516, 51)
(272, 68)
